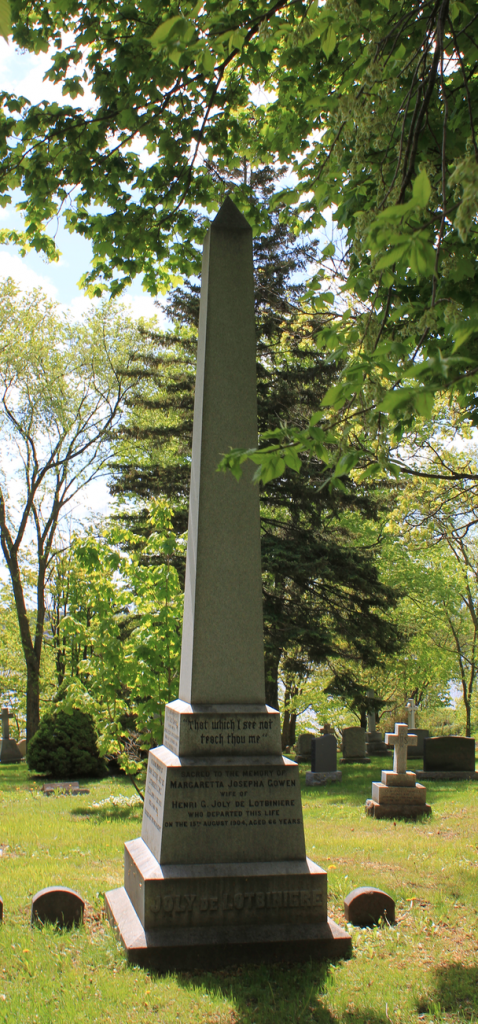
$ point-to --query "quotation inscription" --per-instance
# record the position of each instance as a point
(221, 734)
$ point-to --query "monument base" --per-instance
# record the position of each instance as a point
(354, 760)
(376, 810)
(185, 949)
(9, 752)
(448, 776)
(320, 778)
(181, 916)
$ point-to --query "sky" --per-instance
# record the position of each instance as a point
(23, 73)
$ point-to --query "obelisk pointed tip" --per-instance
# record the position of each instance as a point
(230, 218)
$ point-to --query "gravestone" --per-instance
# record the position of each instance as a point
(57, 905)
(326, 729)
(449, 757)
(374, 740)
(365, 906)
(324, 754)
(324, 762)
(398, 795)
(9, 752)
(354, 746)
(220, 874)
(22, 746)
(303, 747)
(1, 910)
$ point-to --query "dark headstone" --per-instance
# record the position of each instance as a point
(449, 753)
(1, 910)
(365, 907)
(324, 754)
(57, 905)
(417, 750)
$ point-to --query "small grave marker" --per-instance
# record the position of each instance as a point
(9, 752)
(57, 905)
(365, 906)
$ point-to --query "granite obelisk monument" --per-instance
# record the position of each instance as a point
(220, 873)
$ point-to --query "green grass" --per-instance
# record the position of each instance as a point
(425, 969)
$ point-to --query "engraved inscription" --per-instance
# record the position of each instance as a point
(154, 793)
(236, 901)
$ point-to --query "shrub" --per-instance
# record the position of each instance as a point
(65, 746)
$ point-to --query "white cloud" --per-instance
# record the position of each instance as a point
(15, 267)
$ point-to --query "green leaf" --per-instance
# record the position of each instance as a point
(393, 256)
(329, 249)
(371, 470)
(422, 189)
(292, 459)
(5, 19)
(164, 31)
(345, 464)
(329, 41)
(385, 3)
(208, 62)
(424, 403)
(422, 257)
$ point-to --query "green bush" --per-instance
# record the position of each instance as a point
(65, 746)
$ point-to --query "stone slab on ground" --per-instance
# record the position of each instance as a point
(321, 778)
(376, 810)
(449, 754)
(64, 787)
(185, 949)
(366, 906)
(57, 905)
(448, 776)
(413, 795)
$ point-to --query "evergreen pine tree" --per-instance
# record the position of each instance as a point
(322, 593)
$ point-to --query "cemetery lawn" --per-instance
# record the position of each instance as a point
(424, 969)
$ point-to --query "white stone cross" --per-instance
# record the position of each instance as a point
(400, 740)
(411, 713)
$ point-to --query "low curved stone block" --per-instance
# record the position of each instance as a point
(367, 906)
(57, 905)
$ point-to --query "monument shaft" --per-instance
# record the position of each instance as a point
(220, 872)
(222, 657)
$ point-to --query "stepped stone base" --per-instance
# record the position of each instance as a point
(376, 810)
(182, 916)
(184, 949)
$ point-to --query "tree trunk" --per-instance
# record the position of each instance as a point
(33, 701)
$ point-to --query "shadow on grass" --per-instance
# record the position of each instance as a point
(457, 989)
(276, 994)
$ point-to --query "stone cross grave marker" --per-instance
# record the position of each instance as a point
(400, 740)
(398, 794)
(9, 752)
(412, 707)
(220, 873)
